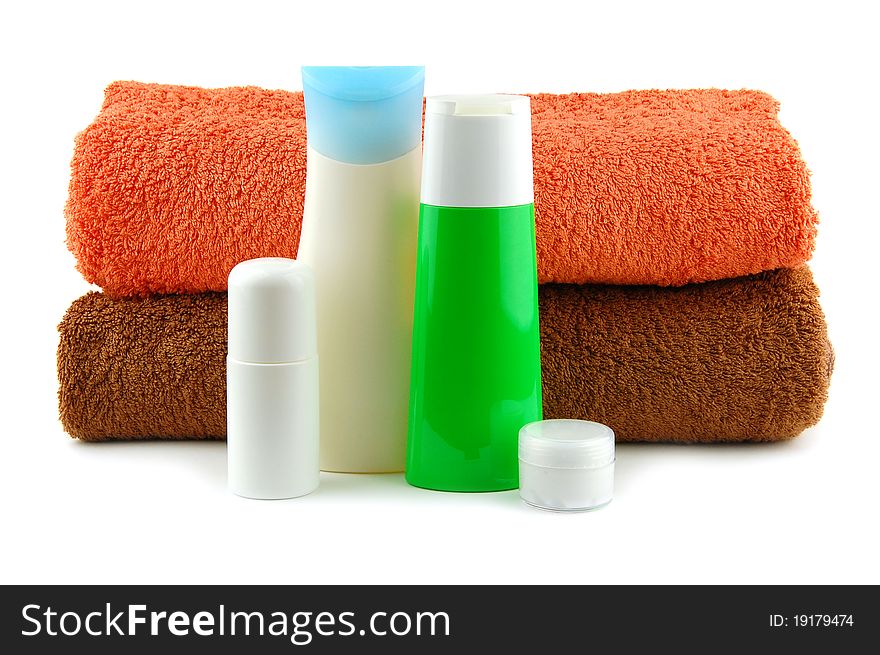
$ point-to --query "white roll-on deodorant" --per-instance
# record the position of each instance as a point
(272, 380)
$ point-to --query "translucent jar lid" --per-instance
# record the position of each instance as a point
(566, 444)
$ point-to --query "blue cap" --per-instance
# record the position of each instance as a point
(363, 114)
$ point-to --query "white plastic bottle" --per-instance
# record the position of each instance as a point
(359, 234)
(272, 380)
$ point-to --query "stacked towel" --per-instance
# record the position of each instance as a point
(737, 360)
(172, 186)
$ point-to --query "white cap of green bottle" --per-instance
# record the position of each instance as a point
(478, 151)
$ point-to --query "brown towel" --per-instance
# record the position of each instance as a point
(745, 359)
(134, 369)
(172, 186)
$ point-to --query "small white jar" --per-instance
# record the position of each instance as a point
(566, 465)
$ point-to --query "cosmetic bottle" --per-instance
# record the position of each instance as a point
(476, 370)
(359, 233)
(272, 380)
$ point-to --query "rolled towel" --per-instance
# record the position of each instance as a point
(172, 186)
(745, 359)
(141, 368)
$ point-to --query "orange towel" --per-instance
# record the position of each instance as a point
(172, 186)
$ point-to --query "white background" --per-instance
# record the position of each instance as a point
(804, 511)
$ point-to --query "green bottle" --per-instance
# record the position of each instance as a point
(476, 365)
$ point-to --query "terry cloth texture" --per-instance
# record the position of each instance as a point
(746, 359)
(150, 367)
(172, 186)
